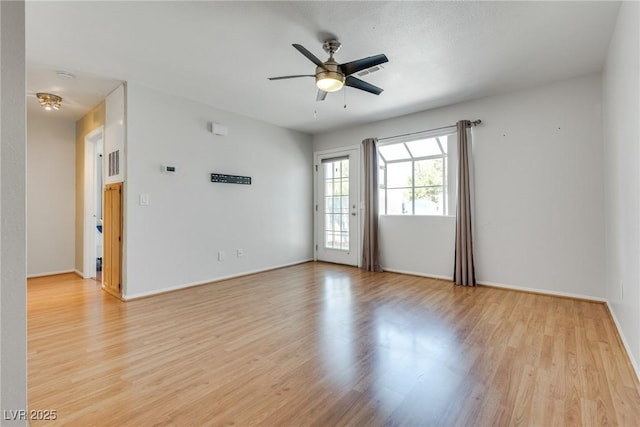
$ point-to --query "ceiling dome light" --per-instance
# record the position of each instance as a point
(330, 82)
(329, 77)
(49, 101)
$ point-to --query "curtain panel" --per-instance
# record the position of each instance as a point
(370, 251)
(464, 271)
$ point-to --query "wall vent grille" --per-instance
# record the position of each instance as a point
(114, 163)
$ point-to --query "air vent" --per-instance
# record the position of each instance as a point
(370, 70)
(114, 163)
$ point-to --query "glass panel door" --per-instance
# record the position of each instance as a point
(337, 216)
(336, 204)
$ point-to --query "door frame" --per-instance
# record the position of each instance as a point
(357, 232)
(91, 140)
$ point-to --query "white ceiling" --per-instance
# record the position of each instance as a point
(79, 94)
(221, 53)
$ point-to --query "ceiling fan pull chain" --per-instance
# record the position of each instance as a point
(315, 113)
(345, 97)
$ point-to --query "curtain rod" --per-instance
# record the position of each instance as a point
(473, 123)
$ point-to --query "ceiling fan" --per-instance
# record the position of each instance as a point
(331, 76)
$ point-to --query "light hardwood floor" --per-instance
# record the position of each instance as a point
(322, 344)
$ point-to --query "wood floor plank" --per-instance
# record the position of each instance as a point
(323, 344)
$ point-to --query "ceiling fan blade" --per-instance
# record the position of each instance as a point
(362, 64)
(321, 95)
(310, 56)
(291, 77)
(362, 85)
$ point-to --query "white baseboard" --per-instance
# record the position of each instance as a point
(503, 286)
(543, 291)
(130, 297)
(50, 273)
(413, 273)
(634, 363)
(79, 273)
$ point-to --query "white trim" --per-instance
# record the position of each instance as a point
(625, 343)
(209, 281)
(79, 273)
(90, 195)
(414, 273)
(503, 286)
(50, 273)
(348, 151)
(88, 208)
(543, 291)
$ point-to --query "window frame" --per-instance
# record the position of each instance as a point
(441, 137)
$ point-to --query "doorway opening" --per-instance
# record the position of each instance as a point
(93, 190)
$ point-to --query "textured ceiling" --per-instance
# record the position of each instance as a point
(221, 53)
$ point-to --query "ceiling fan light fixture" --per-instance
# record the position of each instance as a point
(49, 101)
(329, 81)
(332, 76)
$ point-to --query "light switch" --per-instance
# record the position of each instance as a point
(144, 200)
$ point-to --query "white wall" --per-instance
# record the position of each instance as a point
(114, 131)
(13, 288)
(175, 240)
(539, 190)
(621, 111)
(51, 193)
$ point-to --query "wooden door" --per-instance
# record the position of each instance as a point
(112, 239)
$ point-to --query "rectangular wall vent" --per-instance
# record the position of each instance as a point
(114, 163)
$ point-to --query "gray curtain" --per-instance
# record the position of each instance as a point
(464, 272)
(370, 253)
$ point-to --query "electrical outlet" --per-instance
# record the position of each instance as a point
(240, 252)
(221, 256)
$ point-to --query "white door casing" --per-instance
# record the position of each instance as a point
(337, 213)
